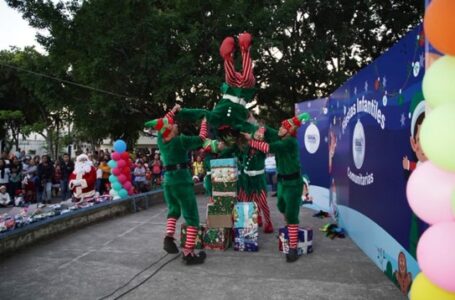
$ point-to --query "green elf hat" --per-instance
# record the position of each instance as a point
(210, 146)
(161, 124)
(293, 123)
(416, 109)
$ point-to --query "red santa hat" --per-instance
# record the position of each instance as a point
(162, 125)
(236, 79)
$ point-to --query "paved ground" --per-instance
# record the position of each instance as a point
(94, 261)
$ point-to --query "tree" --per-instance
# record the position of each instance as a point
(147, 54)
(41, 102)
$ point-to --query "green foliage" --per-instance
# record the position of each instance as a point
(150, 53)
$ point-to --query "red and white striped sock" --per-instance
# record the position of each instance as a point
(203, 134)
(293, 231)
(191, 234)
(261, 200)
(170, 226)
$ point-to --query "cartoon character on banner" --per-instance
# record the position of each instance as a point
(403, 277)
(417, 109)
(333, 201)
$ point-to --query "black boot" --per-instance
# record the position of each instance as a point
(292, 256)
(194, 259)
(170, 246)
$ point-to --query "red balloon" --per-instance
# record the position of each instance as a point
(125, 156)
(127, 185)
(122, 178)
(126, 171)
(116, 171)
(115, 156)
(130, 192)
(121, 163)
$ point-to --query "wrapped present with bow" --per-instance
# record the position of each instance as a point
(305, 243)
(246, 239)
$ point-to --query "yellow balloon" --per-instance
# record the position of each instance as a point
(423, 289)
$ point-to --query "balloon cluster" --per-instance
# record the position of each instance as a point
(431, 187)
(120, 177)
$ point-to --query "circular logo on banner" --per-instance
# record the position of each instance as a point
(312, 138)
(358, 145)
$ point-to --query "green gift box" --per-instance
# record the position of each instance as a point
(225, 203)
(217, 238)
(199, 237)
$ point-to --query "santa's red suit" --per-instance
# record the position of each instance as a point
(82, 180)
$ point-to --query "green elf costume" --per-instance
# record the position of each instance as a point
(231, 112)
(290, 183)
(255, 186)
(178, 184)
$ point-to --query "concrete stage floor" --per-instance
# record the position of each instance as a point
(96, 260)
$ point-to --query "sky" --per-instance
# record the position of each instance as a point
(15, 31)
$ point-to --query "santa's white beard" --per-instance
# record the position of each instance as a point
(82, 167)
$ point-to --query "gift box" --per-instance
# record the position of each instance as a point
(246, 239)
(224, 203)
(305, 244)
(217, 238)
(199, 238)
(217, 221)
(245, 214)
(224, 177)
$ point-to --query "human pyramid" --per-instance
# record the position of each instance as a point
(234, 133)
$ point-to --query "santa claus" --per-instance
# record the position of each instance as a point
(82, 180)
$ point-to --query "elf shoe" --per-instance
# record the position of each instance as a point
(245, 41)
(194, 259)
(227, 47)
(292, 256)
(268, 228)
(259, 220)
(170, 246)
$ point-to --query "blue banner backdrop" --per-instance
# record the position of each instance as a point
(370, 136)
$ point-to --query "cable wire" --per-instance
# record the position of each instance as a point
(67, 81)
(147, 278)
(132, 278)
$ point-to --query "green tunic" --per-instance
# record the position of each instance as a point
(289, 191)
(179, 200)
(254, 160)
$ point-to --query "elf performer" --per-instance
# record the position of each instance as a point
(255, 188)
(230, 113)
(290, 183)
(178, 184)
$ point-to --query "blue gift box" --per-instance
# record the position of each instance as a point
(305, 244)
(245, 215)
(246, 239)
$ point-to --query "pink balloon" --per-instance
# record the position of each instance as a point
(436, 256)
(121, 163)
(122, 179)
(116, 171)
(115, 156)
(127, 185)
(429, 193)
(130, 192)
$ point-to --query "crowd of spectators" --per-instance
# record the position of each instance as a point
(31, 179)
